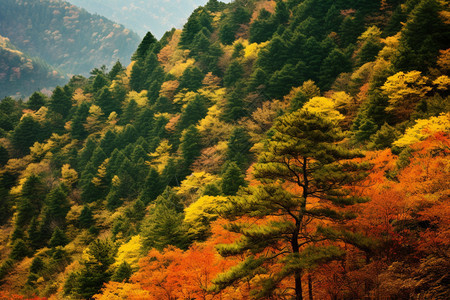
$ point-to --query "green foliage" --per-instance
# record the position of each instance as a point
(163, 226)
(85, 219)
(423, 35)
(191, 79)
(153, 187)
(95, 270)
(232, 179)
(143, 48)
(19, 250)
(190, 145)
(58, 238)
(239, 146)
(123, 273)
(61, 102)
(57, 204)
(233, 74)
(194, 111)
(302, 151)
(25, 134)
(36, 101)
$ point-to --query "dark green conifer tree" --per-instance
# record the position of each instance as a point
(423, 35)
(302, 150)
(108, 142)
(191, 79)
(232, 179)
(233, 74)
(123, 273)
(116, 70)
(85, 219)
(107, 102)
(58, 238)
(57, 204)
(95, 270)
(190, 146)
(163, 226)
(60, 101)
(26, 133)
(4, 156)
(235, 106)
(143, 48)
(153, 187)
(239, 146)
(19, 250)
(36, 101)
(194, 111)
(100, 81)
(137, 79)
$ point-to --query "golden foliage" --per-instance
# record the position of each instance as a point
(140, 98)
(324, 107)
(423, 129)
(68, 175)
(404, 91)
(130, 252)
(161, 156)
(190, 188)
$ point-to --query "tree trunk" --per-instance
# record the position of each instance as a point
(298, 285)
(310, 287)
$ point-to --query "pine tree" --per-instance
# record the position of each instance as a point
(59, 238)
(302, 151)
(232, 179)
(239, 146)
(147, 42)
(100, 81)
(36, 101)
(37, 265)
(423, 35)
(34, 239)
(123, 273)
(233, 74)
(194, 111)
(85, 219)
(60, 102)
(153, 187)
(25, 134)
(115, 70)
(163, 226)
(191, 79)
(190, 146)
(57, 204)
(235, 106)
(95, 270)
(19, 250)
(108, 142)
(106, 101)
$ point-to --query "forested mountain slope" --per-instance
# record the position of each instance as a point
(269, 150)
(65, 36)
(19, 73)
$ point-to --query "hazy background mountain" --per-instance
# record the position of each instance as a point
(142, 16)
(43, 42)
(23, 74)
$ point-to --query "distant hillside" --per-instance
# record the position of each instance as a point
(23, 75)
(142, 16)
(65, 36)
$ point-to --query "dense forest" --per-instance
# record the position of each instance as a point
(293, 149)
(55, 38)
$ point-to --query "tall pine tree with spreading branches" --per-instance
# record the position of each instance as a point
(305, 177)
